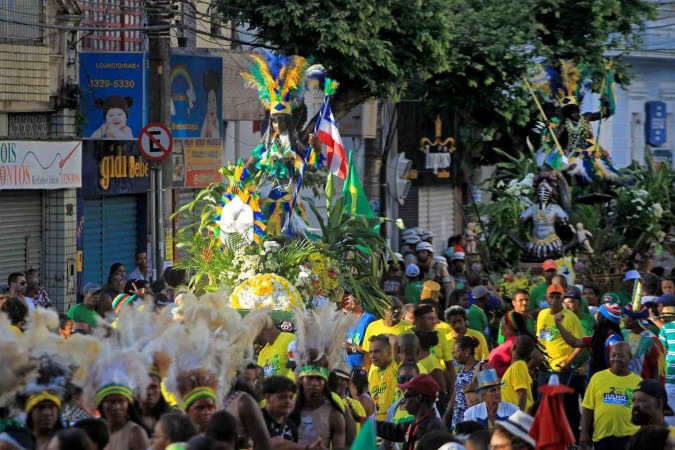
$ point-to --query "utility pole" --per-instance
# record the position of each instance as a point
(372, 183)
(159, 110)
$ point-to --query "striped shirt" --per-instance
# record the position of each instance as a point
(667, 338)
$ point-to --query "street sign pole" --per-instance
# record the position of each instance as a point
(153, 221)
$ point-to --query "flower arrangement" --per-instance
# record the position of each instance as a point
(266, 291)
(319, 276)
(519, 280)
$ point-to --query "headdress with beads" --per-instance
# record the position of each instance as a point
(567, 85)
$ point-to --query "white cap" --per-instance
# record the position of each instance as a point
(411, 239)
(426, 234)
(459, 256)
(412, 270)
(424, 246)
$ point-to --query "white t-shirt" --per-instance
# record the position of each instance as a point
(31, 304)
(136, 275)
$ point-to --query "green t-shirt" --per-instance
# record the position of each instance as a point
(413, 292)
(587, 323)
(80, 313)
(477, 320)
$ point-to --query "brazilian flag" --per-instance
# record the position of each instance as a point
(356, 202)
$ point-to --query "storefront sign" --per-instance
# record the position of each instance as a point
(112, 91)
(196, 162)
(196, 96)
(40, 165)
(114, 167)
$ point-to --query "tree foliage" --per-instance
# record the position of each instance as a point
(469, 56)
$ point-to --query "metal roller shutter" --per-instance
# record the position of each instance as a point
(110, 234)
(22, 227)
(437, 213)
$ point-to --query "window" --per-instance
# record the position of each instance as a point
(117, 14)
(17, 17)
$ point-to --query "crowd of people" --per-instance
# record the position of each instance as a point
(137, 366)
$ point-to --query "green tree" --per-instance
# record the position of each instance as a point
(371, 47)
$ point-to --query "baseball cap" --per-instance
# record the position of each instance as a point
(667, 300)
(408, 232)
(422, 383)
(399, 257)
(427, 234)
(555, 288)
(549, 264)
(479, 292)
(90, 288)
(412, 270)
(610, 297)
(424, 246)
(611, 311)
(459, 256)
(632, 275)
(655, 389)
(572, 293)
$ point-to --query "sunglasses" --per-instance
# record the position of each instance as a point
(404, 379)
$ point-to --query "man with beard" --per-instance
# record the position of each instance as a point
(390, 325)
(650, 401)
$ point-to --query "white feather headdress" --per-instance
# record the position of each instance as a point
(320, 335)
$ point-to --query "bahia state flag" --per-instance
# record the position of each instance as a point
(327, 132)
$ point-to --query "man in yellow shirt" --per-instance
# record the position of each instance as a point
(608, 403)
(383, 382)
(456, 317)
(561, 355)
(390, 325)
(273, 357)
(517, 382)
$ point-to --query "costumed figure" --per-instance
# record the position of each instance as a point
(207, 355)
(61, 365)
(118, 379)
(544, 242)
(281, 156)
(585, 158)
(319, 414)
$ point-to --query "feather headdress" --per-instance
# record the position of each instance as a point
(280, 80)
(120, 367)
(148, 332)
(17, 365)
(320, 334)
(566, 86)
(61, 362)
(209, 353)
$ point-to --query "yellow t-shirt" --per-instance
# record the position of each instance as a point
(358, 409)
(549, 336)
(481, 353)
(378, 327)
(384, 389)
(611, 399)
(515, 378)
(273, 358)
(442, 351)
(430, 363)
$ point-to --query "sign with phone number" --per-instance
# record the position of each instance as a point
(40, 165)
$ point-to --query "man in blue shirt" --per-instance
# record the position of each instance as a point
(355, 335)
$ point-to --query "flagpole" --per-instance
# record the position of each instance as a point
(608, 67)
(543, 115)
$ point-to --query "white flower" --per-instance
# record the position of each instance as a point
(501, 184)
(657, 210)
(271, 246)
(639, 208)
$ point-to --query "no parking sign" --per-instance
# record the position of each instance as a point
(155, 141)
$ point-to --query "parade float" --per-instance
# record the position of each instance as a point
(249, 235)
(562, 198)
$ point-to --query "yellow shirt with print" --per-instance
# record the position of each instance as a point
(383, 385)
(515, 378)
(378, 327)
(548, 334)
(611, 399)
(481, 353)
(273, 358)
